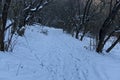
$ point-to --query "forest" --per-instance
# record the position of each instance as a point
(97, 19)
(59, 39)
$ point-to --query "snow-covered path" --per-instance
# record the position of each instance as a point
(56, 56)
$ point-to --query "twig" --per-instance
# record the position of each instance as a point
(18, 69)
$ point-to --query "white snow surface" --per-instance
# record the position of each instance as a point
(57, 56)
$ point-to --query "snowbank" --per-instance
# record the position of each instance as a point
(56, 56)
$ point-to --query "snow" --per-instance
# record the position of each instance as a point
(28, 17)
(40, 7)
(57, 56)
(33, 9)
(27, 7)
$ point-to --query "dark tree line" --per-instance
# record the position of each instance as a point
(20, 13)
(98, 19)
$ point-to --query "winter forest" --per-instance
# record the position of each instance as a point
(60, 39)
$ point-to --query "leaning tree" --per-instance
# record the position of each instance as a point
(105, 28)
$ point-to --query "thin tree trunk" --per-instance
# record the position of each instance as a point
(113, 45)
(110, 6)
(85, 17)
(76, 35)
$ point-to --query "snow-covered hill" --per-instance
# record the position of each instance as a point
(57, 56)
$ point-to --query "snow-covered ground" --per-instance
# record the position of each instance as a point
(57, 56)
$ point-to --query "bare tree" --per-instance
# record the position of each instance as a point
(22, 12)
(85, 18)
(3, 26)
(113, 45)
(105, 27)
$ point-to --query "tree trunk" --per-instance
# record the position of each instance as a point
(105, 27)
(76, 35)
(4, 20)
(113, 45)
(1, 42)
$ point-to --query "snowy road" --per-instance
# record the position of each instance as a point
(56, 56)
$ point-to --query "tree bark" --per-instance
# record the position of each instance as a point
(4, 20)
(105, 27)
(113, 45)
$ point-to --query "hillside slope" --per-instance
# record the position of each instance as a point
(56, 56)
